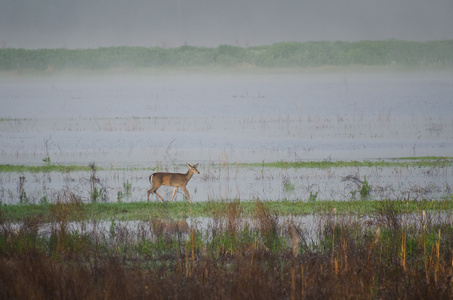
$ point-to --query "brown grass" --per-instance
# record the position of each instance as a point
(263, 257)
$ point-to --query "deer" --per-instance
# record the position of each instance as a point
(175, 180)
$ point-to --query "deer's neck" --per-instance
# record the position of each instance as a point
(189, 175)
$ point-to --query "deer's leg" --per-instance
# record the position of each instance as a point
(187, 193)
(155, 192)
(174, 193)
(154, 186)
(153, 189)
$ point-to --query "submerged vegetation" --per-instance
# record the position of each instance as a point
(280, 55)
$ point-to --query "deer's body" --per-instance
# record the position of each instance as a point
(172, 179)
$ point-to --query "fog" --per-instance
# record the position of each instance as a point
(171, 23)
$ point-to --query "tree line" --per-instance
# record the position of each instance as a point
(279, 55)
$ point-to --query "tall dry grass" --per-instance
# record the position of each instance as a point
(386, 256)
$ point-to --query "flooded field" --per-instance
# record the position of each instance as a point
(309, 226)
(160, 122)
(237, 182)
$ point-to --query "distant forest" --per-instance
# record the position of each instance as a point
(279, 55)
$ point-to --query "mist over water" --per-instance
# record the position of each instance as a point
(163, 120)
(130, 119)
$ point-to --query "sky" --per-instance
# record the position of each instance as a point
(76, 24)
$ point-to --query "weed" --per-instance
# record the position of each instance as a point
(46, 161)
(127, 187)
(98, 194)
(22, 194)
(388, 213)
(365, 190)
(43, 200)
(288, 185)
(312, 197)
(112, 229)
(269, 227)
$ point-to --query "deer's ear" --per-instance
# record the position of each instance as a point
(195, 166)
(188, 165)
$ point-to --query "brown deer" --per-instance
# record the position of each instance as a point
(172, 179)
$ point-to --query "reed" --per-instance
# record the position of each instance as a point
(235, 254)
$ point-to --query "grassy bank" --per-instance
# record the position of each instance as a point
(181, 210)
(280, 55)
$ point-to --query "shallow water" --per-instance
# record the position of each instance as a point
(220, 182)
(143, 120)
(165, 120)
(310, 228)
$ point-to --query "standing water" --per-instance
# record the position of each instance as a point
(162, 121)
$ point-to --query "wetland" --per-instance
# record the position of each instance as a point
(362, 125)
(313, 184)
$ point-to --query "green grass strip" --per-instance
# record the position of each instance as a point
(407, 162)
(43, 168)
(181, 210)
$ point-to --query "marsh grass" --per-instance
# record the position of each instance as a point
(365, 190)
(243, 251)
(43, 169)
(213, 209)
(426, 161)
(312, 197)
(288, 185)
